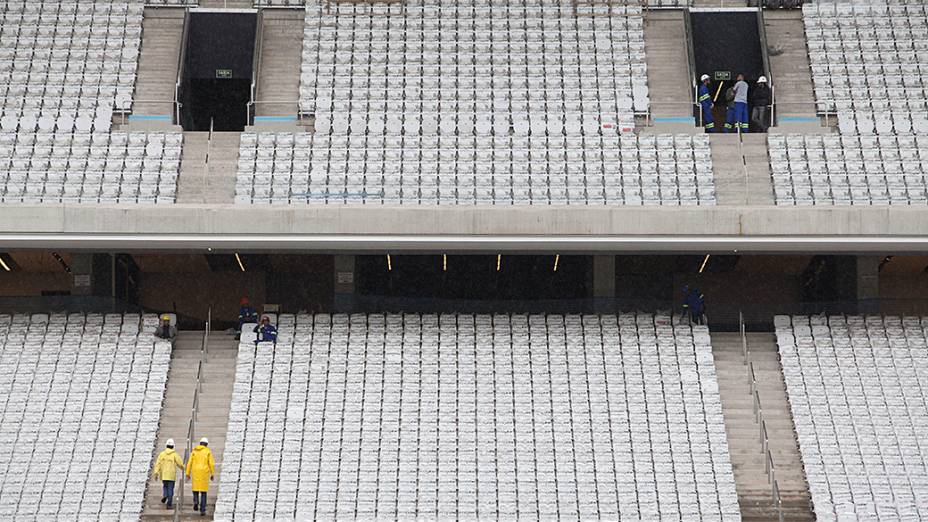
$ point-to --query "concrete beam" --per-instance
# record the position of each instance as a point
(493, 229)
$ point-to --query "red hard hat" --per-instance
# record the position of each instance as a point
(244, 301)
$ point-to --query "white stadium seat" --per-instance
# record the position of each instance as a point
(855, 386)
(477, 417)
(82, 395)
(674, 169)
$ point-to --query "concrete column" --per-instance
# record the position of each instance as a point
(603, 277)
(92, 275)
(344, 274)
(868, 283)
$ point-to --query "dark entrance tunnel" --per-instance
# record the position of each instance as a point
(217, 73)
(726, 43)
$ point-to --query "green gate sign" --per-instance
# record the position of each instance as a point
(223, 73)
(722, 75)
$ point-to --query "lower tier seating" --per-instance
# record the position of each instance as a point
(80, 399)
(857, 387)
(477, 417)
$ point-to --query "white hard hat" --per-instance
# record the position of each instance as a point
(170, 443)
(204, 440)
(704, 77)
(762, 79)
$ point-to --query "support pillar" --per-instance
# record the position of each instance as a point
(344, 275)
(603, 281)
(92, 275)
(868, 284)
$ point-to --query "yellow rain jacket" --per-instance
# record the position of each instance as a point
(200, 468)
(167, 464)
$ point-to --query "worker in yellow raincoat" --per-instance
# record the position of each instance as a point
(166, 470)
(200, 468)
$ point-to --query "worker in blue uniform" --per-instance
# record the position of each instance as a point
(705, 102)
(267, 333)
(246, 314)
(738, 115)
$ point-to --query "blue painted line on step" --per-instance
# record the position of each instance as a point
(137, 117)
(674, 119)
(803, 119)
(275, 118)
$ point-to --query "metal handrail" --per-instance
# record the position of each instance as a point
(194, 411)
(256, 63)
(769, 467)
(744, 338)
(181, 62)
(690, 56)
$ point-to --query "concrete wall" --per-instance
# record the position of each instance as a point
(19, 284)
(195, 293)
(465, 228)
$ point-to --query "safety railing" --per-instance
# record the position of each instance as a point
(181, 62)
(256, 64)
(764, 439)
(690, 58)
(744, 337)
(194, 410)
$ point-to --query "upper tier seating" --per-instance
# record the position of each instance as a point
(302, 168)
(134, 167)
(424, 65)
(462, 417)
(868, 63)
(80, 399)
(65, 65)
(849, 170)
(857, 388)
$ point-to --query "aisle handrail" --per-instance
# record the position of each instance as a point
(194, 410)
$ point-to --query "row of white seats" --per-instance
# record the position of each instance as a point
(52, 43)
(492, 44)
(89, 168)
(408, 416)
(301, 168)
(849, 170)
(501, 123)
(852, 47)
(69, 398)
(855, 386)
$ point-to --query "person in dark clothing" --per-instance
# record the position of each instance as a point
(267, 333)
(695, 303)
(246, 314)
(165, 330)
(761, 98)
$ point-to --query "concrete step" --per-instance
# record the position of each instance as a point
(162, 32)
(748, 459)
(279, 63)
(669, 83)
(208, 168)
(212, 415)
(789, 63)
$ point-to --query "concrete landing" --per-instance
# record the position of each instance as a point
(748, 460)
